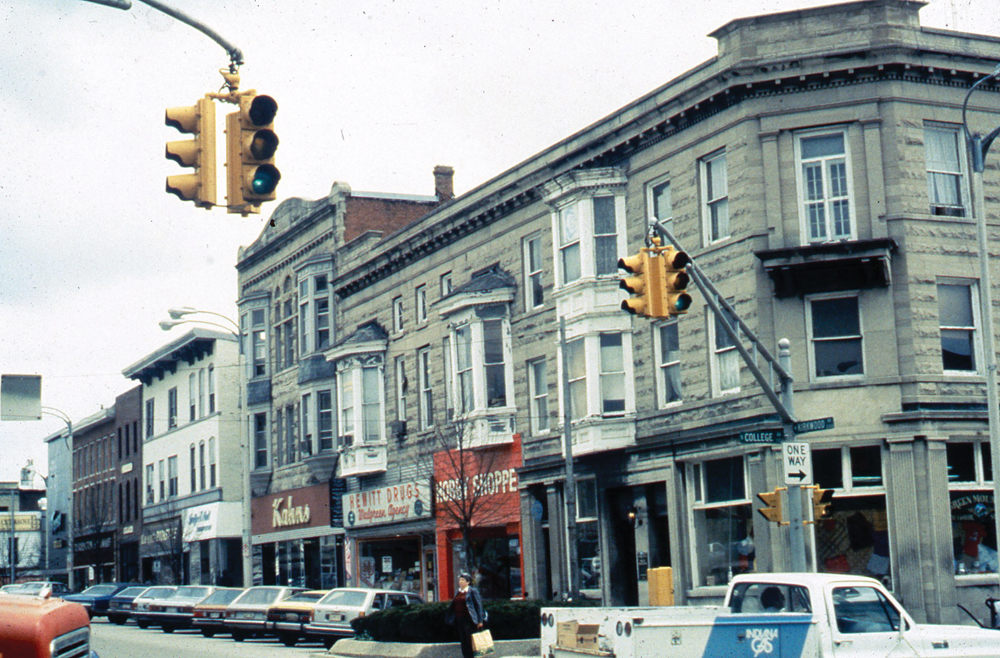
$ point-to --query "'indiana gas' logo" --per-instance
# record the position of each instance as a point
(762, 640)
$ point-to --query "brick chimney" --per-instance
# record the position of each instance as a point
(444, 183)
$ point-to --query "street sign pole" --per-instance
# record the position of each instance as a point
(796, 529)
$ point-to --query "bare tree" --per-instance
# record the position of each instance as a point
(467, 480)
(94, 537)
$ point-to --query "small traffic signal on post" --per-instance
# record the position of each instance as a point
(772, 506)
(645, 286)
(676, 301)
(199, 152)
(822, 499)
(251, 177)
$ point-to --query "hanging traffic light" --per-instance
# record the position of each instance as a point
(675, 300)
(822, 499)
(772, 506)
(251, 177)
(199, 152)
(647, 284)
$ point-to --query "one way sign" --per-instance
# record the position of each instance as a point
(797, 460)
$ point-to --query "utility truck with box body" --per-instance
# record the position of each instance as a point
(791, 615)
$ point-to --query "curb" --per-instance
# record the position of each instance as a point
(357, 649)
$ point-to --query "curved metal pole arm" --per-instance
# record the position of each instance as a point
(235, 54)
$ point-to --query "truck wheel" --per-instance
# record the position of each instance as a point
(207, 632)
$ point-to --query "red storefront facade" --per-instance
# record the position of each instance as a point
(478, 489)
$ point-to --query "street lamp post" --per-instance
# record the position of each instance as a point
(178, 317)
(978, 146)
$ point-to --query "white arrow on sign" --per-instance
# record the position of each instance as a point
(797, 461)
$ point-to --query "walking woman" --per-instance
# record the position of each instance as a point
(466, 613)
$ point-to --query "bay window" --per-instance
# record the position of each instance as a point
(590, 236)
(599, 374)
(482, 349)
(360, 391)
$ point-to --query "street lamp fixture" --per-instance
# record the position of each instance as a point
(178, 317)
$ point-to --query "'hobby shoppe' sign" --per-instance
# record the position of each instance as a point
(408, 501)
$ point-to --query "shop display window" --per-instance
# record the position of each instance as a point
(973, 529)
(855, 537)
(722, 541)
(392, 564)
(495, 565)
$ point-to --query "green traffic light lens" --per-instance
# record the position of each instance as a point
(682, 303)
(265, 179)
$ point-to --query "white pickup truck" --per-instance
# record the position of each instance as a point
(772, 615)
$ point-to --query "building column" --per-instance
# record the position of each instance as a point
(559, 575)
(536, 576)
(641, 528)
(920, 543)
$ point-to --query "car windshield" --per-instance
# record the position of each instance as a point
(99, 590)
(159, 593)
(192, 592)
(350, 598)
(259, 595)
(222, 597)
(131, 591)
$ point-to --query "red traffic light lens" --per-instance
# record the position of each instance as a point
(262, 110)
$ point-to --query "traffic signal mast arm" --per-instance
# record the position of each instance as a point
(728, 316)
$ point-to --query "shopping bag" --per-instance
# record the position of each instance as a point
(482, 643)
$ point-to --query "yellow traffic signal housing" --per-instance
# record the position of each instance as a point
(646, 286)
(772, 506)
(251, 177)
(199, 153)
(676, 301)
(822, 499)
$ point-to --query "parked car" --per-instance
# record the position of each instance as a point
(287, 619)
(11, 589)
(120, 607)
(333, 613)
(209, 616)
(97, 598)
(36, 587)
(141, 603)
(245, 616)
(177, 610)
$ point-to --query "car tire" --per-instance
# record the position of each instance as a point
(239, 636)
(117, 620)
(142, 623)
(288, 639)
(208, 632)
(328, 642)
(167, 628)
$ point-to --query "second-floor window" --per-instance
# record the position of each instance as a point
(945, 184)
(958, 318)
(659, 204)
(397, 314)
(260, 440)
(420, 303)
(824, 186)
(172, 475)
(211, 462)
(150, 487)
(401, 388)
(538, 391)
(596, 366)
(725, 359)
(324, 412)
(211, 388)
(192, 397)
(835, 334)
(258, 342)
(426, 399)
(715, 196)
(314, 313)
(361, 414)
(668, 361)
(150, 408)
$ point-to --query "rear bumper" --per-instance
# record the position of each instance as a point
(329, 630)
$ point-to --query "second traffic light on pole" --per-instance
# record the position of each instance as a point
(659, 285)
(199, 152)
(251, 177)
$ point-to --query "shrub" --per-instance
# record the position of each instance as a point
(424, 622)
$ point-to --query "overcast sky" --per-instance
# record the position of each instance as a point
(373, 93)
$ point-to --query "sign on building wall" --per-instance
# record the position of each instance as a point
(480, 486)
(407, 501)
(22, 523)
(211, 521)
(307, 507)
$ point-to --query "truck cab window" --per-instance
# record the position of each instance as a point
(864, 610)
(769, 597)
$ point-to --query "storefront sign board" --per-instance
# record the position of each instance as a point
(408, 501)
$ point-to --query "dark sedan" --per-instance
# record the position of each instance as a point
(97, 599)
(120, 608)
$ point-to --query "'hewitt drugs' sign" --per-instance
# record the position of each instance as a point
(401, 502)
